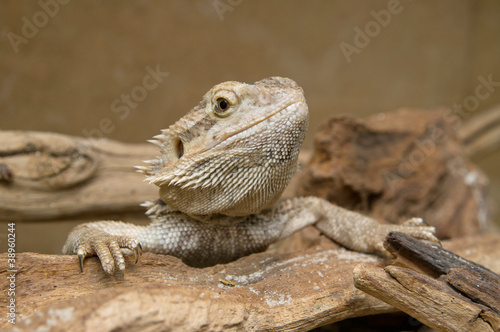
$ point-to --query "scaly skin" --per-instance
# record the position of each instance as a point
(221, 171)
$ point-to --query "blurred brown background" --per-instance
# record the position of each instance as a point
(67, 65)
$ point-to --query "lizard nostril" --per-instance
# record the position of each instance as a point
(179, 148)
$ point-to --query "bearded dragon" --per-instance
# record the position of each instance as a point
(221, 170)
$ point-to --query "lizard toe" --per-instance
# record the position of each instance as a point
(117, 255)
(426, 233)
(421, 232)
(416, 222)
(105, 256)
(131, 244)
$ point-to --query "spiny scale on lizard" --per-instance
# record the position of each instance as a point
(221, 170)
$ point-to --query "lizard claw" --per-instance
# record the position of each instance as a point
(81, 257)
(108, 248)
(137, 250)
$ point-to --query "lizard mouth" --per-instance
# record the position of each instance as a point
(245, 128)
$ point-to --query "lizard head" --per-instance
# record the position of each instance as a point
(235, 152)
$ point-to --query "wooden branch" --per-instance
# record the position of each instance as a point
(481, 287)
(264, 291)
(422, 297)
(294, 291)
(467, 298)
(431, 258)
(481, 133)
(47, 176)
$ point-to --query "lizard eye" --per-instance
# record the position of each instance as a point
(221, 106)
(224, 103)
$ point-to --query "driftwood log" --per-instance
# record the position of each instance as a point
(402, 164)
(49, 176)
(266, 291)
(439, 288)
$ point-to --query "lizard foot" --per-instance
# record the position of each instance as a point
(416, 227)
(108, 248)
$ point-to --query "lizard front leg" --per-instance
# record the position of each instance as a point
(350, 229)
(197, 243)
